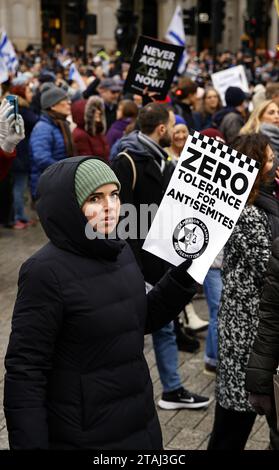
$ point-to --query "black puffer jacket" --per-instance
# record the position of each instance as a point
(76, 373)
(264, 357)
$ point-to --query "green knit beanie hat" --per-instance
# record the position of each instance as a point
(90, 175)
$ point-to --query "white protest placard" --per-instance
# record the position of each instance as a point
(202, 204)
(234, 76)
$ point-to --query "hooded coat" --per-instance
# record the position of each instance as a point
(86, 142)
(76, 373)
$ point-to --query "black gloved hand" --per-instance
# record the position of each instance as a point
(261, 403)
(179, 273)
(91, 89)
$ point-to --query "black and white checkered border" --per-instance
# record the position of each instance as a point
(212, 145)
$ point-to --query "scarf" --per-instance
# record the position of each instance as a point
(159, 154)
(61, 122)
(272, 133)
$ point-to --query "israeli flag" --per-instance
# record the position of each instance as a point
(75, 75)
(64, 59)
(175, 34)
(8, 56)
(4, 73)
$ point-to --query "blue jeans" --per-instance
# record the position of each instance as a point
(212, 289)
(166, 353)
(20, 184)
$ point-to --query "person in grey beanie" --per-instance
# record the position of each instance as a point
(76, 373)
(51, 138)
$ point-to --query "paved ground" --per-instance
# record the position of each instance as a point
(182, 429)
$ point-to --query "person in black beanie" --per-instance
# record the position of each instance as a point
(76, 374)
(229, 120)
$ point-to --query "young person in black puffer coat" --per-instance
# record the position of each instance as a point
(76, 373)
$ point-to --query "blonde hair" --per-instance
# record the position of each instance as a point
(253, 124)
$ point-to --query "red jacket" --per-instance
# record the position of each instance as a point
(6, 160)
(86, 144)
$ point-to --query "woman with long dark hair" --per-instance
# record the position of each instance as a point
(245, 262)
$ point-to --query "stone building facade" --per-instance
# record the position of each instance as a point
(22, 20)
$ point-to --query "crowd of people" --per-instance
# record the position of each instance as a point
(76, 376)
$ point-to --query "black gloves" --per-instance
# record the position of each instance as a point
(261, 403)
(91, 89)
(180, 275)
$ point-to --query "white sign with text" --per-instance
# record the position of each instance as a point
(203, 201)
(234, 76)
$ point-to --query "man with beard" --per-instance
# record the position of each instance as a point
(141, 167)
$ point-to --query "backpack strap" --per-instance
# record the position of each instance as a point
(134, 170)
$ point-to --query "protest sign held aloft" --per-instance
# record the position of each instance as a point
(225, 78)
(202, 204)
(153, 66)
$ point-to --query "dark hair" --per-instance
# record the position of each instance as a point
(151, 116)
(185, 87)
(254, 146)
(19, 90)
(272, 90)
(129, 109)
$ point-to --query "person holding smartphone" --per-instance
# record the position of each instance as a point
(11, 127)
(9, 139)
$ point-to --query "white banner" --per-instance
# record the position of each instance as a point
(202, 204)
(234, 76)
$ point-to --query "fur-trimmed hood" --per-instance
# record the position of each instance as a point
(83, 112)
(94, 103)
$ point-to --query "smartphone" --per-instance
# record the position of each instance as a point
(13, 100)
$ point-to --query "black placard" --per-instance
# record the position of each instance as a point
(153, 66)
